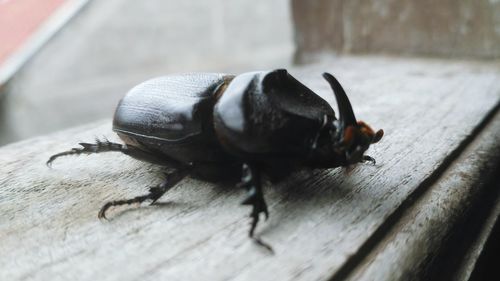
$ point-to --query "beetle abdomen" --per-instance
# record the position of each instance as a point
(169, 108)
(172, 114)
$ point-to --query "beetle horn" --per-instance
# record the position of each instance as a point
(346, 115)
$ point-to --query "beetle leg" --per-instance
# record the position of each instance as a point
(107, 146)
(367, 158)
(88, 148)
(251, 181)
(154, 192)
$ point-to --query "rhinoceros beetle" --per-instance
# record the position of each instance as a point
(214, 126)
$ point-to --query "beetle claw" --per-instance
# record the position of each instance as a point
(255, 219)
(263, 244)
(155, 193)
(88, 148)
(367, 158)
(102, 213)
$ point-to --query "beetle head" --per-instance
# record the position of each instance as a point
(351, 138)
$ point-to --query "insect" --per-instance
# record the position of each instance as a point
(214, 126)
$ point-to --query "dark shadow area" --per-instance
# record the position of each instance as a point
(487, 264)
(298, 191)
(459, 244)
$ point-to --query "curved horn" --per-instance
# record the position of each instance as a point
(346, 115)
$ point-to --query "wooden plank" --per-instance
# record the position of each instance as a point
(422, 232)
(471, 260)
(319, 221)
(450, 29)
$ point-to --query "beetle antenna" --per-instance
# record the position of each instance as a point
(346, 114)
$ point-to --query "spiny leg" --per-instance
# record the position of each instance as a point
(250, 179)
(154, 192)
(88, 148)
(107, 146)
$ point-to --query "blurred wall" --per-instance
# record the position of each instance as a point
(444, 28)
(81, 74)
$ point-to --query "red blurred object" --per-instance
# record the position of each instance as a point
(19, 19)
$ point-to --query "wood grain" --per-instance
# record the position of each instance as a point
(450, 29)
(319, 221)
(423, 230)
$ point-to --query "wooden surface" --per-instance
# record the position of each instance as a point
(444, 28)
(387, 220)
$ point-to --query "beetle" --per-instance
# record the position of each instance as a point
(214, 126)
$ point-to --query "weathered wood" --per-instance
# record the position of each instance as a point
(444, 28)
(479, 247)
(322, 225)
(421, 233)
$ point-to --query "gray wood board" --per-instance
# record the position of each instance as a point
(413, 248)
(198, 231)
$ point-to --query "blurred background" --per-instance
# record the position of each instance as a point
(68, 62)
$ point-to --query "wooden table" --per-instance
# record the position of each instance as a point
(425, 210)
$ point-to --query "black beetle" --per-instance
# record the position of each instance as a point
(214, 126)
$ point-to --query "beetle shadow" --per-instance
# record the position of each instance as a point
(294, 198)
(222, 188)
(302, 194)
